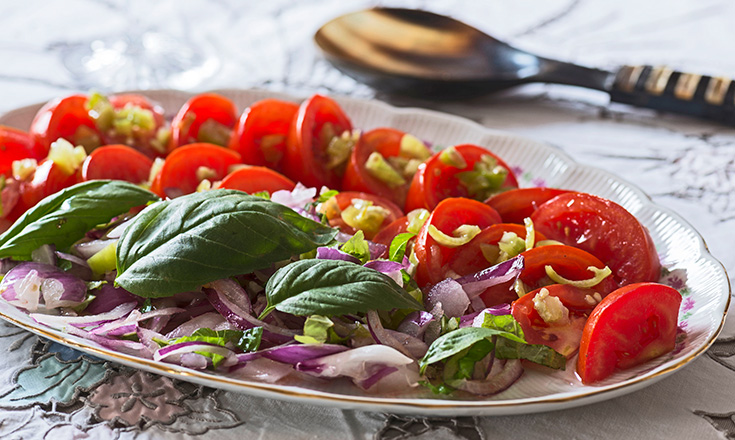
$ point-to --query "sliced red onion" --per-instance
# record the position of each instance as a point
(390, 268)
(147, 337)
(503, 374)
(44, 254)
(372, 380)
(476, 283)
(295, 353)
(107, 297)
(406, 344)
(173, 353)
(79, 267)
(360, 364)
(450, 295)
(476, 319)
(376, 249)
(130, 323)
(65, 322)
(195, 361)
(327, 253)
(117, 231)
(6, 264)
(415, 323)
(121, 345)
(296, 198)
(89, 248)
(262, 370)
(26, 283)
(223, 294)
(212, 320)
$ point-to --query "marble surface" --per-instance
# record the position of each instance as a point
(684, 164)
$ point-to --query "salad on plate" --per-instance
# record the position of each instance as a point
(284, 245)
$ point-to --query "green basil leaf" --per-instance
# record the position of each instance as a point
(358, 247)
(540, 354)
(477, 352)
(178, 245)
(333, 287)
(453, 342)
(316, 330)
(63, 218)
(397, 248)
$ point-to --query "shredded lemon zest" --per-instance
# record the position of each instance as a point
(599, 275)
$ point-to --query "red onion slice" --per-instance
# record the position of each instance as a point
(25, 284)
(327, 253)
(415, 323)
(64, 323)
(360, 364)
(508, 372)
(476, 283)
(406, 344)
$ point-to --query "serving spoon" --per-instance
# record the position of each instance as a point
(423, 54)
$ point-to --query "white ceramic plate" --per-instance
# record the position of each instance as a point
(699, 276)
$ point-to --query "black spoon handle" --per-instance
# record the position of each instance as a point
(663, 88)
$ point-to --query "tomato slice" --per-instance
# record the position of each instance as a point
(117, 162)
(448, 215)
(387, 143)
(138, 137)
(317, 122)
(14, 145)
(632, 325)
(66, 118)
(604, 229)
(343, 212)
(47, 179)
(564, 336)
(388, 233)
(207, 118)
(187, 166)
(261, 133)
(252, 179)
(436, 180)
(516, 204)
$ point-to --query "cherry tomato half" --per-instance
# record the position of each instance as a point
(261, 133)
(66, 118)
(14, 145)
(139, 137)
(516, 204)
(632, 325)
(348, 212)
(252, 179)
(436, 180)
(388, 233)
(604, 229)
(448, 215)
(48, 178)
(117, 162)
(307, 160)
(187, 166)
(207, 117)
(563, 336)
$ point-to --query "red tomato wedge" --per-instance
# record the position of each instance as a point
(187, 166)
(436, 180)
(343, 213)
(632, 325)
(307, 160)
(261, 133)
(252, 179)
(14, 145)
(604, 229)
(388, 233)
(516, 204)
(563, 336)
(387, 143)
(207, 117)
(117, 162)
(66, 118)
(48, 178)
(448, 215)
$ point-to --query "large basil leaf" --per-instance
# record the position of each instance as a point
(455, 341)
(333, 287)
(178, 245)
(64, 217)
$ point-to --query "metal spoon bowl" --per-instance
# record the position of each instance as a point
(423, 54)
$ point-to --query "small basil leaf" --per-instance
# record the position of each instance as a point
(63, 218)
(358, 247)
(455, 341)
(333, 287)
(178, 245)
(540, 354)
(397, 248)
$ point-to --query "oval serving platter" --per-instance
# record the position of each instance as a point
(700, 278)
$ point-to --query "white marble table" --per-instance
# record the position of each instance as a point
(684, 164)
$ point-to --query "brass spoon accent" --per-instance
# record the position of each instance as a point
(423, 54)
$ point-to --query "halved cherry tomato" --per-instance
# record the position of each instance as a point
(388, 233)
(448, 215)
(563, 336)
(14, 145)
(318, 121)
(261, 133)
(252, 179)
(142, 139)
(187, 166)
(632, 325)
(207, 117)
(117, 162)
(436, 180)
(66, 118)
(387, 143)
(516, 204)
(47, 179)
(604, 229)
(335, 209)
(567, 261)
